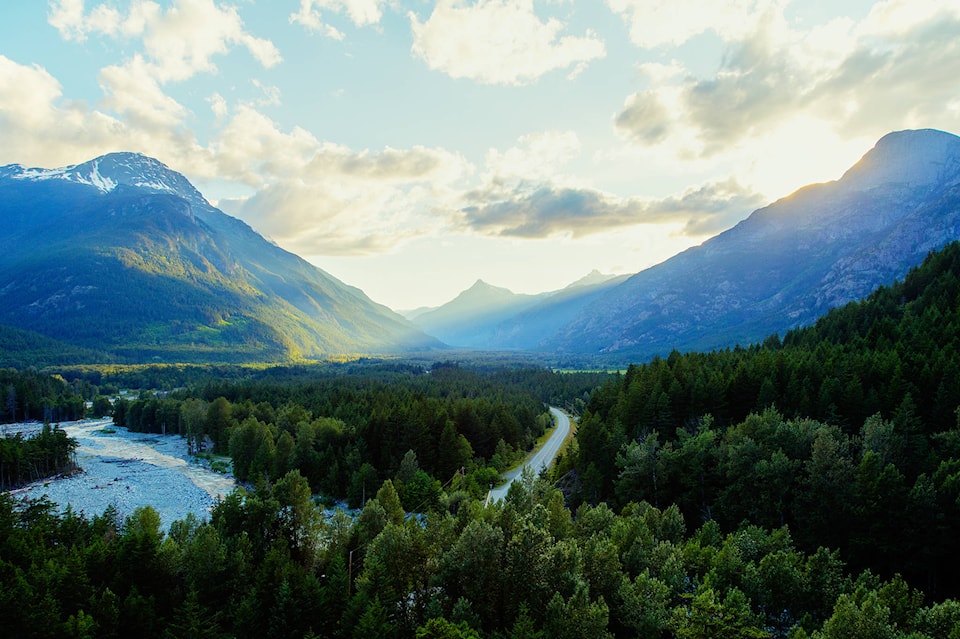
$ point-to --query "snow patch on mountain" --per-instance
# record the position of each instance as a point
(107, 172)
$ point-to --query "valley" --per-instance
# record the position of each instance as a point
(775, 450)
(479, 319)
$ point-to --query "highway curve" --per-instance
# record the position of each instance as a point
(538, 460)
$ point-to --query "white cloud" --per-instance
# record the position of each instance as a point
(314, 197)
(655, 23)
(271, 94)
(536, 156)
(68, 17)
(178, 42)
(184, 40)
(46, 130)
(321, 219)
(523, 193)
(498, 42)
(132, 91)
(252, 149)
(26, 95)
(361, 12)
(895, 69)
(320, 198)
(218, 105)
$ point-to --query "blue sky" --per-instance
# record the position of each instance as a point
(412, 147)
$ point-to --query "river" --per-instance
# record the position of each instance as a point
(128, 470)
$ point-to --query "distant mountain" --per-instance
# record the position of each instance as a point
(463, 320)
(414, 313)
(788, 263)
(124, 256)
(491, 318)
(594, 278)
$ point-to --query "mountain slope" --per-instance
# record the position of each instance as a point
(787, 263)
(491, 318)
(528, 329)
(463, 320)
(124, 255)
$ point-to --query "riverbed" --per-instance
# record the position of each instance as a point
(129, 470)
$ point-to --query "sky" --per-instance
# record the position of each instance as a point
(410, 148)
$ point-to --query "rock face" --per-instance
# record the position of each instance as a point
(788, 263)
(123, 255)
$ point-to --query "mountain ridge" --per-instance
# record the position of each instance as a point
(490, 317)
(781, 267)
(822, 246)
(125, 228)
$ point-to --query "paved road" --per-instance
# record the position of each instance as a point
(539, 459)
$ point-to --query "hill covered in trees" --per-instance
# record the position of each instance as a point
(846, 431)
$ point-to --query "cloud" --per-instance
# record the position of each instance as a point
(319, 198)
(132, 91)
(44, 129)
(184, 40)
(894, 69)
(218, 105)
(26, 95)
(271, 94)
(644, 118)
(390, 165)
(498, 42)
(317, 218)
(178, 42)
(544, 210)
(902, 73)
(537, 156)
(654, 23)
(709, 209)
(361, 13)
(68, 17)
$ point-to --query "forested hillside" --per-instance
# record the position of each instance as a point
(847, 432)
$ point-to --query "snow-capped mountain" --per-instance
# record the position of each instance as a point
(123, 255)
(109, 171)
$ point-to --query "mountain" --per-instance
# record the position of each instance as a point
(123, 255)
(788, 263)
(491, 318)
(593, 278)
(463, 320)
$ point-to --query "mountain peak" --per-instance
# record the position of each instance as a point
(590, 279)
(107, 172)
(912, 158)
(482, 286)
